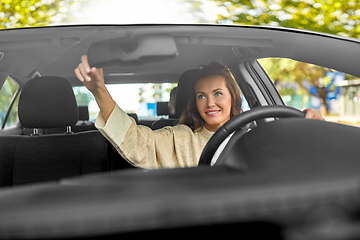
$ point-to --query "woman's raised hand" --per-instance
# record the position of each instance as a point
(92, 78)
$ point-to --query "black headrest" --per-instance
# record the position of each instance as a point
(186, 83)
(47, 102)
(162, 108)
(134, 116)
(83, 113)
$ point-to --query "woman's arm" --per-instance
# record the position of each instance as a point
(93, 79)
(137, 144)
(141, 146)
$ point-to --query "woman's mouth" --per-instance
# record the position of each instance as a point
(212, 113)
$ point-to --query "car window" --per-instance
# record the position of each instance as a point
(132, 98)
(302, 85)
(8, 95)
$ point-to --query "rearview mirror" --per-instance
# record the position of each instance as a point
(132, 50)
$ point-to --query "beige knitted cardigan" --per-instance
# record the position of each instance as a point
(168, 147)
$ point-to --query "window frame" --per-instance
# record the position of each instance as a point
(12, 102)
(264, 83)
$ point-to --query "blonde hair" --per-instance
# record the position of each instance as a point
(191, 116)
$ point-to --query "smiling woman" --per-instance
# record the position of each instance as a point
(169, 146)
(215, 99)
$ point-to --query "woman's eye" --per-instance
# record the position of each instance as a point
(218, 94)
(201, 96)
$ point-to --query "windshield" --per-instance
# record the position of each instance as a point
(270, 164)
(137, 98)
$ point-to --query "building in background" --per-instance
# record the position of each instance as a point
(350, 98)
(150, 94)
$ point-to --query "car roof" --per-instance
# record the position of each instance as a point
(57, 50)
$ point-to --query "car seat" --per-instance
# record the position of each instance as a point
(186, 83)
(49, 102)
(163, 110)
(83, 123)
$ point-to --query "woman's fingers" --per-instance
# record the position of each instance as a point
(82, 75)
(313, 114)
(83, 70)
(96, 73)
(92, 78)
(79, 75)
(85, 63)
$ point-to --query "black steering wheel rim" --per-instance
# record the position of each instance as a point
(240, 120)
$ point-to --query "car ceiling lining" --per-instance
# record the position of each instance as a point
(239, 44)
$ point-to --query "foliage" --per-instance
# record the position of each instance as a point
(7, 93)
(340, 17)
(30, 13)
(173, 85)
(289, 76)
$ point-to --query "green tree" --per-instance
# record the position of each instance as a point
(31, 13)
(289, 72)
(339, 17)
(7, 92)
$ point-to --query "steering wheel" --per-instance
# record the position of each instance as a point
(240, 120)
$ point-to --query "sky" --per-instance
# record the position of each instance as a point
(134, 11)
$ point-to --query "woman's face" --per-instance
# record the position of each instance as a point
(213, 101)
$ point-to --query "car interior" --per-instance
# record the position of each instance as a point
(54, 157)
(56, 131)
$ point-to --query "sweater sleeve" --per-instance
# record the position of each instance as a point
(164, 148)
(116, 126)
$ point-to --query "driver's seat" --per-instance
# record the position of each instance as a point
(186, 83)
(183, 95)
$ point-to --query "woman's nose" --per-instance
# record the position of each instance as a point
(211, 102)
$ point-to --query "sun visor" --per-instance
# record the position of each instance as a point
(132, 50)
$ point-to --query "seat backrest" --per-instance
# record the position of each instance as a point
(83, 123)
(163, 110)
(32, 159)
(49, 102)
(164, 122)
(7, 149)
